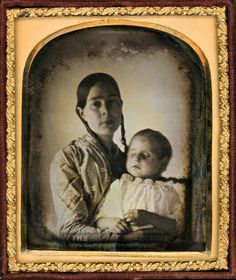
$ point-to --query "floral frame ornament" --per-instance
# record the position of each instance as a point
(219, 261)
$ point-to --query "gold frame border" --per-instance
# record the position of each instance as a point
(221, 262)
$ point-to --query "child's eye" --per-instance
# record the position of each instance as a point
(145, 155)
(131, 154)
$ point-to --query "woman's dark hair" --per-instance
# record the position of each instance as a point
(164, 146)
(91, 80)
(82, 94)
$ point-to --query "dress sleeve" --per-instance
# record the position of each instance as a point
(70, 202)
(177, 206)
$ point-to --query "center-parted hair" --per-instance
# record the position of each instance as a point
(82, 94)
(91, 80)
(163, 146)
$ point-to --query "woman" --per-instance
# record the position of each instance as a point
(82, 172)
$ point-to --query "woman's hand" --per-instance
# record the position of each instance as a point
(114, 224)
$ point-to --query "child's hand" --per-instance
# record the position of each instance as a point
(114, 224)
(140, 217)
(137, 217)
(120, 226)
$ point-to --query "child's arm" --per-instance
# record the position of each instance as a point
(114, 224)
(141, 217)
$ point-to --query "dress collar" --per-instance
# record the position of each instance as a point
(138, 180)
(115, 150)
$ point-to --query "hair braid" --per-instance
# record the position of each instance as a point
(123, 139)
(89, 130)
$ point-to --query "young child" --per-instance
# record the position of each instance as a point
(143, 199)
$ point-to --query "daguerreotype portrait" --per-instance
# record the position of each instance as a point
(118, 138)
(132, 95)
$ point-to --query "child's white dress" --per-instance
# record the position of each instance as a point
(163, 198)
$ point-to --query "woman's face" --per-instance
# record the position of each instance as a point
(103, 110)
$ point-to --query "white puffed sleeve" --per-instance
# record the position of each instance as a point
(112, 204)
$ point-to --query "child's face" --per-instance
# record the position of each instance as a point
(143, 159)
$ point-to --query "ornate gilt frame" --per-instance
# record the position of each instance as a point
(119, 262)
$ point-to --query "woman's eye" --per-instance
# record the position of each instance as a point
(96, 104)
